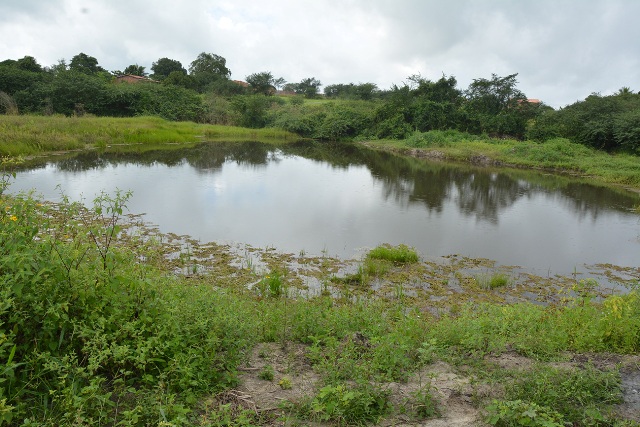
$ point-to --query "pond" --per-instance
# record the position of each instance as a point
(342, 199)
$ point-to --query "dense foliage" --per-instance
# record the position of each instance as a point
(493, 106)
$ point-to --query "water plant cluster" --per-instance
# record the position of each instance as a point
(95, 330)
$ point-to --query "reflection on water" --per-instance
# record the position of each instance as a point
(342, 198)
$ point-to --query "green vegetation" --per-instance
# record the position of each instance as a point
(489, 106)
(96, 328)
(491, 121)
(558, 155)
(267, 373)
(28, 135)
(377, 262)
(493, 281)
(347, 405)
(400, 254)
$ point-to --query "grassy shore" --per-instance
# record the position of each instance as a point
(30, 135)
(557, 155)
(104, 322)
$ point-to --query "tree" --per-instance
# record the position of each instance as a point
(308, 87)
(279, 82)
(495, 95)
(85, 64)
(29, 63)
(19, 75)
(210, 63)
(178, 78)
(163, 67)
(441, 91)
(496, 106)
(58, 68)
(68, 93)
(207, 69)
(135, 70)
(262, 82)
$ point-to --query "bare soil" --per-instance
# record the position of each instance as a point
(459, 396)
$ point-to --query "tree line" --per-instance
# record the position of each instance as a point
(204, 92)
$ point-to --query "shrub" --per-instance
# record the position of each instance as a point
(515, 413)
(351, 405)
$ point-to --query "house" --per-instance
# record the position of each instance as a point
(130, 78)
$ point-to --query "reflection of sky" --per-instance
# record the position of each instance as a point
(297, 204)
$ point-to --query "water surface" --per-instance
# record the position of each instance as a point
(343, 199)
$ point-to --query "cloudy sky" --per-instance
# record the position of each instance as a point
(562, 50)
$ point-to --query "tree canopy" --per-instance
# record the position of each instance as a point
(85, 64)
(135, 70)
(163, 67)
(208, 68)
(262, 82)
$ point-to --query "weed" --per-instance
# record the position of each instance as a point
(229, 415)
(494, 281)
(285, 383)
(272, 285)
(424, 404)
(573, 393)
(349, 405)
(267, 373)
(401, 254)
(519, 413)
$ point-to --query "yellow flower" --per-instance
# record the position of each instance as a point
(13, 218)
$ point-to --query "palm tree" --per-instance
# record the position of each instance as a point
(135, 70)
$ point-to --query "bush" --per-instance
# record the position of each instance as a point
(350, 405)
(515, 413)
(89, 334)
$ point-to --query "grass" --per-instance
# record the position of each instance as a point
(559, 155)
(401, 254)
(377, 262)
(29, 135)
(493, 281)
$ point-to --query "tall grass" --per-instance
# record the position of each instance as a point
(234, 133)
(28, 135)
(557, 154)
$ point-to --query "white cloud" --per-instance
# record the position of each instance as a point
(562, 49)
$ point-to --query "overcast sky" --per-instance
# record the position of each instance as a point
(562, 50)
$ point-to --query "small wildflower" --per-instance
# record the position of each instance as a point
(13, 218)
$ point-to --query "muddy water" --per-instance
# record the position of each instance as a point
(342, 199)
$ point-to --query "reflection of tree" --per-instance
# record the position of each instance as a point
(203, 157)
(478, 192)
(588, 200)
(210, 157)
(485, 194)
